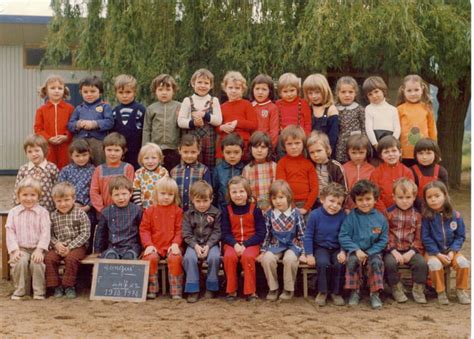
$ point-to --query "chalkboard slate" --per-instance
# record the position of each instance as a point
(120, 280)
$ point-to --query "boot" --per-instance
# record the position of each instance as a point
(463, 296)
(398, 294)
(418, 292)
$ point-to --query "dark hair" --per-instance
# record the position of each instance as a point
(116, 139)
(388, 141)
(375, 82)
(232, 139)
(258, 138)
(427, 144)
(165, 80)
(79, 146)
(263, 79)
(448, 208)
(119, 182)
(362, 187)
(93, 81)
(335, 189)
(359, 141)
(190, 140)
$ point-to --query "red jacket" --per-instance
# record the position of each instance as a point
(355, 173)
(289, 114)
(51, 119)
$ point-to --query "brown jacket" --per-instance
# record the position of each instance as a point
(202, 228)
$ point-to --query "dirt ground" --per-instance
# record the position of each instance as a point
(218, 318)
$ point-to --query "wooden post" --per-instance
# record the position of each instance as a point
(5, 265)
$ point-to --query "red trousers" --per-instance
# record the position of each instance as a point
(247, 260)
(58, 154)
(72, 262)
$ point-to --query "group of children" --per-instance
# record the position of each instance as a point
(235, 180)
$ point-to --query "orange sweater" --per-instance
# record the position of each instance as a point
(51, 119)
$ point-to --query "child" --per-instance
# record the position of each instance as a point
(232, 148)
(404, 242)
(261, 171)
(70, 231)
(93, 118)
(190, 170)
(262, 94)
(117, 234)
(381, 118)
(115, 146)
(200, 114)
(443, 234)
(201, 232)
(298, 171)
(52, 117)
(238, 115)
(321, 239)
(390, 170)
(416, 115)
(283, 240)
(150, 158)
(363, 236)
(351, 115)
(243, 230)
(128, 116)
(27, 238)
(160, 233)
(358, 168)
(324, 116)
(36, 149)
(161, 125)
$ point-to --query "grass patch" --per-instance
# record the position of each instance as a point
(466, 152)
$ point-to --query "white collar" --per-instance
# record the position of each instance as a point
(277, 212)
(351, 106)
(42, 164)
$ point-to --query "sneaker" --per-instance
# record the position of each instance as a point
(252, 297)
(337, 299)
(375, 301)
(17, 297)
(398, 293)
(176, 297)
(463, 297)
(443, 298)
(286, 295)
(354, 298)
(272, 295)
(58, 292)
(70, 293)
(151, 295)
(418, 292)
(320, 299)
(192, 298)
(209, 295)
(39, 297)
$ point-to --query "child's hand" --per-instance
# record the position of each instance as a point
(198, 122)
(444, 259)
(341, 257)
(303, 259)
(205, 251)
(362, 256)
(60, 247)
(90, 124)
(198, 115)
(227, 128)
(451, 255)
(303, 211)
(65, 252)
(61, 139)
(53, 140)
(37, 256)
(407, 256)
(80, 124)
(398, 257)
(198, 250)
(311, 260)
(174, 249)
(149, 250)
(15, 256)
(239, 249)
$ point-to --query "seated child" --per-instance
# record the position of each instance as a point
(160, 233)
(322, 238)
(28, 234)
(363, 236)
(70, 231)
(117, 232)
(443, 234)
(202, 233)
(404, 242)
(283, 240)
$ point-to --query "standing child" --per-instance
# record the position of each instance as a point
(150, 158)
(128, 116)
(190, 170)
(364, 235)
(238, 115)
(52, 117)
(262, 94)
(36, 149)
(351, 115)
(92, 119)
(201, 232)
(325, 117)
(243, 230)
(161, 126)
(28, 234)
(443, 234)
(416, 115)
(357, 168)
(200, 114)
(70, 231)
(160, 233)
(283, 240)
(261, 170)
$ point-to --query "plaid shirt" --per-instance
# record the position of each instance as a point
(186, 175)
(404, 230)
(260, 177)
(72, 228)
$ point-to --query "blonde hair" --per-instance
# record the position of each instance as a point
(288, 80)
(405, 185)
(43, 90)
(63, 189)
(293, 131)
(29, 182)
(203, 73)
(425, 96)
(123, 80)
(346, 80)
(320, 138)
(149, 147)
(234, 76)
(35, 140)
(283, 187)
(318, 82)
(167, 184)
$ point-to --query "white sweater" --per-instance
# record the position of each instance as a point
(381, 116)
(184, 115)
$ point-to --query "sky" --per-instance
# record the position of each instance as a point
(25, 7)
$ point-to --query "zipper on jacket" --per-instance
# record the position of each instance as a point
(358, 172)
(56, 119)
(241, 230)
(444, 232)
(164, 127)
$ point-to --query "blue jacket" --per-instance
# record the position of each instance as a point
(98, 111)
(323, 230)
(221, 176)
(365, 231)
(442, 236)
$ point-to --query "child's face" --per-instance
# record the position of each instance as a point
(404, 200)
(55, 91)
(64, 204)
(232, 154)
(234, 90)
(35, 154)
(346, 94)
(201, 86)
(280, 202)
(376, 96)
(315, 97)
(28, 197)
(435, 198)
(113, 154)
(332, 204)
(365, 203)
(260, 153)
(238, 194)
(391, 155)
(425, 157)
(80, 159)
(261, 92)
(151, 160)
(289, 93)
(165, 198)
(125, 95)
(293, 146)
(90, 94)
(164, 94)
(413, 91)
(318, 153)
(121, 197)
(358, 155)
(202, 204)
(189, 154)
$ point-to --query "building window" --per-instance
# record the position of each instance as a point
(34, 55)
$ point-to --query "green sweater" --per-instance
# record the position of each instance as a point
(161, 125)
